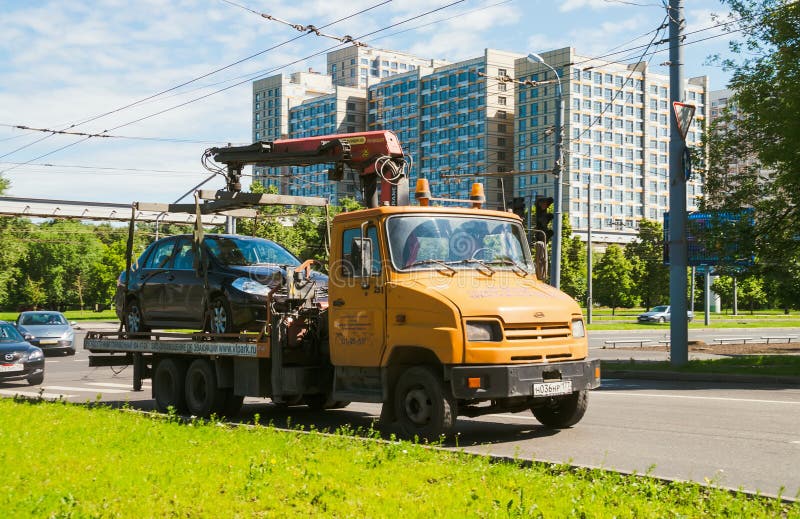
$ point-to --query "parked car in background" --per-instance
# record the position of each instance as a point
(660, 314)
(166, 292)
(48, 330)
(18, 358)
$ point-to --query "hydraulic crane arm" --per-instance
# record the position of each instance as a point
(375, 155)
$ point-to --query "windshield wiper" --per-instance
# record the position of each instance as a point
(506, 260)
(482, 263)
(431, 262)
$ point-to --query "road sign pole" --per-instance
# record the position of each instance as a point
(679, 326)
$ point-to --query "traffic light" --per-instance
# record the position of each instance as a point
(543, 217)
(518, 207)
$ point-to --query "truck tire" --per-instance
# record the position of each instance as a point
(422, 405)
(169, 381)
(203, 396)
(563, 412)
(134, 320)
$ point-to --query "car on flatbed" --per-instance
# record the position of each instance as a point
(166, 291)
(18, 358)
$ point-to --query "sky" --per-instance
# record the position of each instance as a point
(65, 65)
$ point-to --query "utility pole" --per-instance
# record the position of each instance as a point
(589, 301)
(679, 326)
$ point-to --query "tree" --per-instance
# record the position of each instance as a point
(573, 262)
(650, 275)
(613, 282)
(753, 159)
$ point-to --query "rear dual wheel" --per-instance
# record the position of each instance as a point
(192, 389)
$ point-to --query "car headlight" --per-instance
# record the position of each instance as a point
(484, 331)
(578, 329)
(248, 286)
(68, 335)
(36, 354)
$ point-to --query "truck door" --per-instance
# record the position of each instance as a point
(357, 308)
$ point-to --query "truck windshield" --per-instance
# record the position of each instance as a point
(426, 242)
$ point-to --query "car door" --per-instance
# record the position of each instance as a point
(183, 291)
(152, 278)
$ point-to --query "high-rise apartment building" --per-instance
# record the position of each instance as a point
(455, 128)
(342, 111)
(273, 97)
(616, 139)
(361, 67)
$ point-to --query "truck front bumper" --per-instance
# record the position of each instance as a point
(492, 382)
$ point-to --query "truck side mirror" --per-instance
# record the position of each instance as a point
(361, 254)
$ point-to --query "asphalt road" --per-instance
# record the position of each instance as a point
(737, 436)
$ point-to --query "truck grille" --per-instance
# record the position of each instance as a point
(537, 331)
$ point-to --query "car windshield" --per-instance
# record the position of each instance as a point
(425, 242)
(250, 251)
(9, 334)
(659, 309)
(42, 319)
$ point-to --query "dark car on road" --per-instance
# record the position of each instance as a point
(18, 358)
(166, 291)
(50, 331)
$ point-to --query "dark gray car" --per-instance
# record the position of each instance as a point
(18, 358)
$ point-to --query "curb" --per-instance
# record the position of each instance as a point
(702, 377)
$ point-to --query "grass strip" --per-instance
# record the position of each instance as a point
(775, 365)
(64, 460)
(72, 315)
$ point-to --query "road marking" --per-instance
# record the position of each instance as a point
(93, 390)
(111, 384)
(34, 394)
(716, 398)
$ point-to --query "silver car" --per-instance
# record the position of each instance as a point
(660, 314)
(50, 331)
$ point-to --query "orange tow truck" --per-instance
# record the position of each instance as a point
(433, 311)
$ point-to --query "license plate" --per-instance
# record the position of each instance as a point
(11, 367)
(48, 341)
(552, 388)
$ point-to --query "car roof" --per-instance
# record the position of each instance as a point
(216, 235)
(34, 312)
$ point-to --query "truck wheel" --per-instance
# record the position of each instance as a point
(564, 411)
(134, 321)
(168, 385)
(423, 406)
(221, 316)
(203, 396)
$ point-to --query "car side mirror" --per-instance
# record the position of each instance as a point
(73, 323)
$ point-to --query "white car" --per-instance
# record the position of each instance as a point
(50, 331)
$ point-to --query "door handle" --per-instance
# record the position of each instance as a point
(171, 277)
(338, 302)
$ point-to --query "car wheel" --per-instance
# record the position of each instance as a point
(221, 317)
(562, 412)
(661, 320)
(71, 351)
(35, 380)
(134, 321)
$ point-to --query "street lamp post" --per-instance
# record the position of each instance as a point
(555, 271)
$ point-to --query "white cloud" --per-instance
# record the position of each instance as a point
(572, 5)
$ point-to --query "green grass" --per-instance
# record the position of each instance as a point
(102, 463)
(776, 365)
(72, 315)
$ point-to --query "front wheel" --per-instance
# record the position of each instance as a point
(661, 320)
(35, 380)
(423, 405)
(562, 412)
(221, 317)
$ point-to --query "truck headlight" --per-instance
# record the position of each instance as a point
(248, 286)
(484, 331)
(578, 330)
